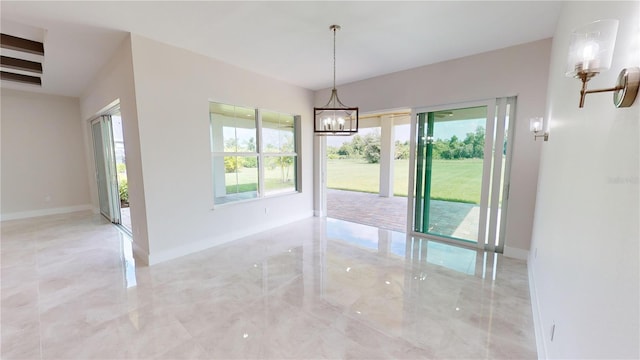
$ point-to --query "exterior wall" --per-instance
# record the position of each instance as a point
(519, 70)
(173, 89)
(43, 167)
(583, 265)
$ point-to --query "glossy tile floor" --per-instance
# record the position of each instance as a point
(318, 288)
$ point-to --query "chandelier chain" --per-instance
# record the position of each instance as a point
(334, 58)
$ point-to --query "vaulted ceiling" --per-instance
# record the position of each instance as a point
(290, 41)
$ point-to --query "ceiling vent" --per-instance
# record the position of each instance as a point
(21, 60)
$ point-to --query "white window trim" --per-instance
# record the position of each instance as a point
(261, 155)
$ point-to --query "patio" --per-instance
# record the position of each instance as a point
(453, 219)
(125, 215)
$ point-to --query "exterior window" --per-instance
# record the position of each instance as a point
(279, 152)
(254, 153)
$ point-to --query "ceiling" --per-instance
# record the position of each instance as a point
(289, 41)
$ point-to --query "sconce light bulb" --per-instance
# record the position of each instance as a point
(535, 124)
(590, 55)
(589, 51)
(539, 128)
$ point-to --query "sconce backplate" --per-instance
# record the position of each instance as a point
(627, 85)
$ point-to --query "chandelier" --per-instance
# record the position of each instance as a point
(335, 118)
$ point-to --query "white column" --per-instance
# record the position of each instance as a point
(387, 150)
(320, 176)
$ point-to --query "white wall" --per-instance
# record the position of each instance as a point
(585, 278)
(115, 83)
(520, 70)
(43, 167)
(173, 89)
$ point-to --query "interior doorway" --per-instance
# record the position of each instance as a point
(367, 174)
(111, 169)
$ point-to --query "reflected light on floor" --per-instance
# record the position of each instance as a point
(317, 288)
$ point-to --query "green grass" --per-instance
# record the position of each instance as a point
(247, 180)
(457, 180)
(453, 180)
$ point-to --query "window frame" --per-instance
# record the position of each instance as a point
(261, 154)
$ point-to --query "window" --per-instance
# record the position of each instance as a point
(254, 153)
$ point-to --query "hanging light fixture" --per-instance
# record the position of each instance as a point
(335, 118)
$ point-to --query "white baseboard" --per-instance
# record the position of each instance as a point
(166, 255)
(537, 317)
(515, 253)
(44, 212)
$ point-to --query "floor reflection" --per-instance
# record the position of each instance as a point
(317, 288)
(399, 244)
(128, 261)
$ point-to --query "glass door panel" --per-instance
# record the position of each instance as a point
(101, 173)
(449, 173)
(107, 182)
(461, 182)
(121, 169)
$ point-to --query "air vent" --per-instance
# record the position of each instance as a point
(18, 64)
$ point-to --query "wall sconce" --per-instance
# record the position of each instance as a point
(539, 127)
(590, 53)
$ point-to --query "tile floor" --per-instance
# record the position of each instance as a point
(318, 288)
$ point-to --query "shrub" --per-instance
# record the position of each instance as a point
(250, 162)
(123, 189)
(121, 168)
(231, 164)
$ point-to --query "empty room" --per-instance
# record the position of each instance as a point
(320, 180)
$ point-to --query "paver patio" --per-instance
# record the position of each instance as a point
(454, 219)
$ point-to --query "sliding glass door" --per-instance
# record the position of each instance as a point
(102, 177)
(107, 174)
(461, 162)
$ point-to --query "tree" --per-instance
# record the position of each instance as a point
(285, 163)
(402, 150)
(231, 144)
(346, 150)
(249, 162)
(477, 141)
(332, 152)
(372, 148)
(251, 144)
(357, 144)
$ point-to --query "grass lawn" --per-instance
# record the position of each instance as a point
(455, 180)
(247, 180)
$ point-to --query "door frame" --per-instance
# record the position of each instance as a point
(487, 229)
(108, 150)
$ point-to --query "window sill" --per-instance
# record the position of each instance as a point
(244, 201)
